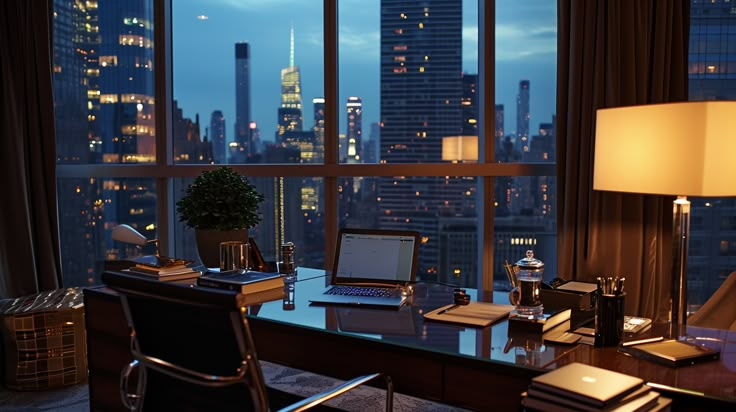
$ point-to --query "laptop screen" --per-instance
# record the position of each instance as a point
(376, 256)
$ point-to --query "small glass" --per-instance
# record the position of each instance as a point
(234, 255)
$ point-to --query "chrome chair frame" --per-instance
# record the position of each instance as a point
(248, 372)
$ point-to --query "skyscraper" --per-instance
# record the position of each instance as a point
(354, 133)
(522, 117)
(421, 78)
(319, 127)
(218, 138)
(290, 112)
(421, 90)
(242, 102)
(470, 105)
(498, 131)
(103, 81)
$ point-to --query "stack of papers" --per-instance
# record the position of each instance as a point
(473, 314)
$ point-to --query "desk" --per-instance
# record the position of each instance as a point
(469, 367)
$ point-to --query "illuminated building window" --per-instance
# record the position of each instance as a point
(108, 61)
(108, 98)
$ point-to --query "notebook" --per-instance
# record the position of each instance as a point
(371, 268)
(587, 384)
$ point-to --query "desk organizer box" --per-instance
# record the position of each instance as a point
(43, 340)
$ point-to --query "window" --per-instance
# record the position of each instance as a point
(392, 133)
(712, 76)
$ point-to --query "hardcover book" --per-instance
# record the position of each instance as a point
(184, 274)
(167, 271)
(540, 323)
(672, 352)
(245, 282)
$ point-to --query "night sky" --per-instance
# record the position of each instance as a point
(204, 62)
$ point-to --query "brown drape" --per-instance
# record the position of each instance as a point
(29, 241)
(615, 53)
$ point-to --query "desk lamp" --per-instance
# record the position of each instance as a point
(682, 149)
(126, 234)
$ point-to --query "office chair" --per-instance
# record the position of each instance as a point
(719, 311)
(193, 351)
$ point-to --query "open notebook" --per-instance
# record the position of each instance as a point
(371, 268)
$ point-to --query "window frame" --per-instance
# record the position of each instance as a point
(165, 171)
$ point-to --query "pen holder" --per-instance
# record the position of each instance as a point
(609, 319)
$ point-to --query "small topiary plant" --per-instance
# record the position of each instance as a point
(220, 199)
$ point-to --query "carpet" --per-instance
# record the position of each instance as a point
(297, 382)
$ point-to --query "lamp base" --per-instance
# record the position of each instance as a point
(680, 234)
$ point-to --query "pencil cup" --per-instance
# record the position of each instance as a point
(234, 255)
(609, 319)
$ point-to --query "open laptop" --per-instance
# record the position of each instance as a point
(371, 268)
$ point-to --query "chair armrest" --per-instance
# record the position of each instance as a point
(322, 397)
(132, 401)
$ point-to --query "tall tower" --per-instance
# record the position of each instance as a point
(498, 130)
(319, 127)
(290, 112)
(470, 105)
(421, 93)
(218, 137)
(522, 117)
(242, 100)
(421, 78)
(355, 130)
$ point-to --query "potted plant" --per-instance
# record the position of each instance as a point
(220, 205)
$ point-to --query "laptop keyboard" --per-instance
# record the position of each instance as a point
(358, 291)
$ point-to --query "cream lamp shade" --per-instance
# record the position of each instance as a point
(669, 149)
(460, 148)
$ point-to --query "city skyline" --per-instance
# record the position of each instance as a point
(105, 100)
(211, 40)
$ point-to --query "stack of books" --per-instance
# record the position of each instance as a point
(163, 268)
(257, 286)
(580, 387)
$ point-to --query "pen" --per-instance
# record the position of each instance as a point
(640, 341)
(448, 309)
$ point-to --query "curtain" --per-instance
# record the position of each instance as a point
(29, 244)
(615, 53)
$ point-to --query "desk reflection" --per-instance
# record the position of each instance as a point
(407, 326)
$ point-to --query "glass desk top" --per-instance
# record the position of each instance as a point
(407, 327)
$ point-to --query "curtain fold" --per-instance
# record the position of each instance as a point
(29, 243)
(615, 53)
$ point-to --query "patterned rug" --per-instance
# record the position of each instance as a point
(360, 399)
(294, 381)
(73, 398)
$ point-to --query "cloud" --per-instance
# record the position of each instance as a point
(359, 44)
(252, 4)
(514, 42)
